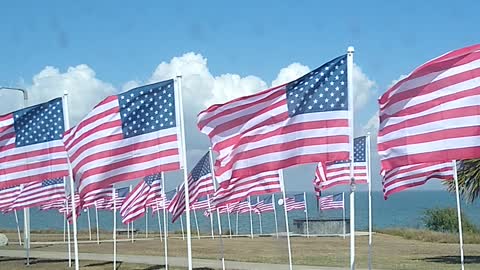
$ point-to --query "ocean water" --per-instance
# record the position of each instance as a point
(403, 209)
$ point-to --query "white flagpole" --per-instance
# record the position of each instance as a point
(165, 223)
(282, 185)
(196, 223)
(131, 223)
(128, 230)
(236, 226)
(218, 213)
(159, 222)
(185, 175)
(72, 184)
(18, 228)
(211, 214)
(369, 179)
(229, 222)
(343, 210)
(69, 248)
(146, 222)
(114, 229)
(64, 227)
(350, 51)
(459, 214)
(89, 225)
(260, 218)
(251, 220)
(306, 212)
(96, 221)
(275, 213)
(181, 224)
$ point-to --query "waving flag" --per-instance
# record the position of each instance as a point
(295, 203)
(56, 204)
(239, 189)
(7, 197)
(201, 204)
(199, 183)
(38, 193)
(410, 176)
(242, 207)
(144, 193)
(433, 115)
(31, 147)
(266, 205)
(338, 172)
(331, 202)
(300, 122)
(127, 136)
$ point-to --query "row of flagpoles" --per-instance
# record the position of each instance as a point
(141, 132)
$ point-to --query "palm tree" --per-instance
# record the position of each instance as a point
(468, 179)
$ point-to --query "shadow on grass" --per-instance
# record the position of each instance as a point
(9, 259)
(452, 259)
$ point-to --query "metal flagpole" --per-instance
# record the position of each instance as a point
(350, 52)
(344, 225)
(218, 212)
(165, 223)
(306, 212)
(229, 222)
(185, 175)
(159, 222)
(72, 184)
(26, 232)
(64, 226)
(114, 229)
(89, 225)
(96, 221)
(18, 229)
(275, 214)
(196, 223)
(146, 222)
(236, 226)
(128, 230)
(459, 214)
(282, 185)
(251, 220)
(369, 179)
(69, 248)
(181, 224)
(260, 218)
(131, 223)
(211, 214)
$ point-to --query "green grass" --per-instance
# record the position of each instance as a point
(432, 236)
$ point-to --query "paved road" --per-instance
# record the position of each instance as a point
(154, 260)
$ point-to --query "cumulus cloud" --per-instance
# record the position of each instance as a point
(290, 73)
(85, 90)
(364, 87)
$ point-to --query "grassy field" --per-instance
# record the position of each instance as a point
(389, 251)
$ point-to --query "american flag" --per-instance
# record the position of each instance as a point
(7, 197)
(56, 204)
(295, 203)
(332, 202)
(266, 205)
(103, 195)
(120, 196)
(127, 136)
(239, 189)
(135, 204)
(338, 172)
(300, 122)
(67, 207)
(433, 114)
(242, 207)
(410, 176)
(199, 184)
(164, 201)
(38, 193)
(31, 147)
(201, 204)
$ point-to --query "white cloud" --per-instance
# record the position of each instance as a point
(290, 73)
(364, 87)
(84, 89)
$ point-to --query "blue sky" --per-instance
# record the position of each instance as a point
(123, 42)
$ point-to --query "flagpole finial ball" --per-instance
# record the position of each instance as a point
(350, 49)
(280, 202)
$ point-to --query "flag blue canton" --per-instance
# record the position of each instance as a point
(299, 197)
(38, 124)
(122, 192)
(152, 178)
(337, 197)
(147, 109)
(202, 168)
(321, 90)
(170, 194)
(359, 147)
(51, 182)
